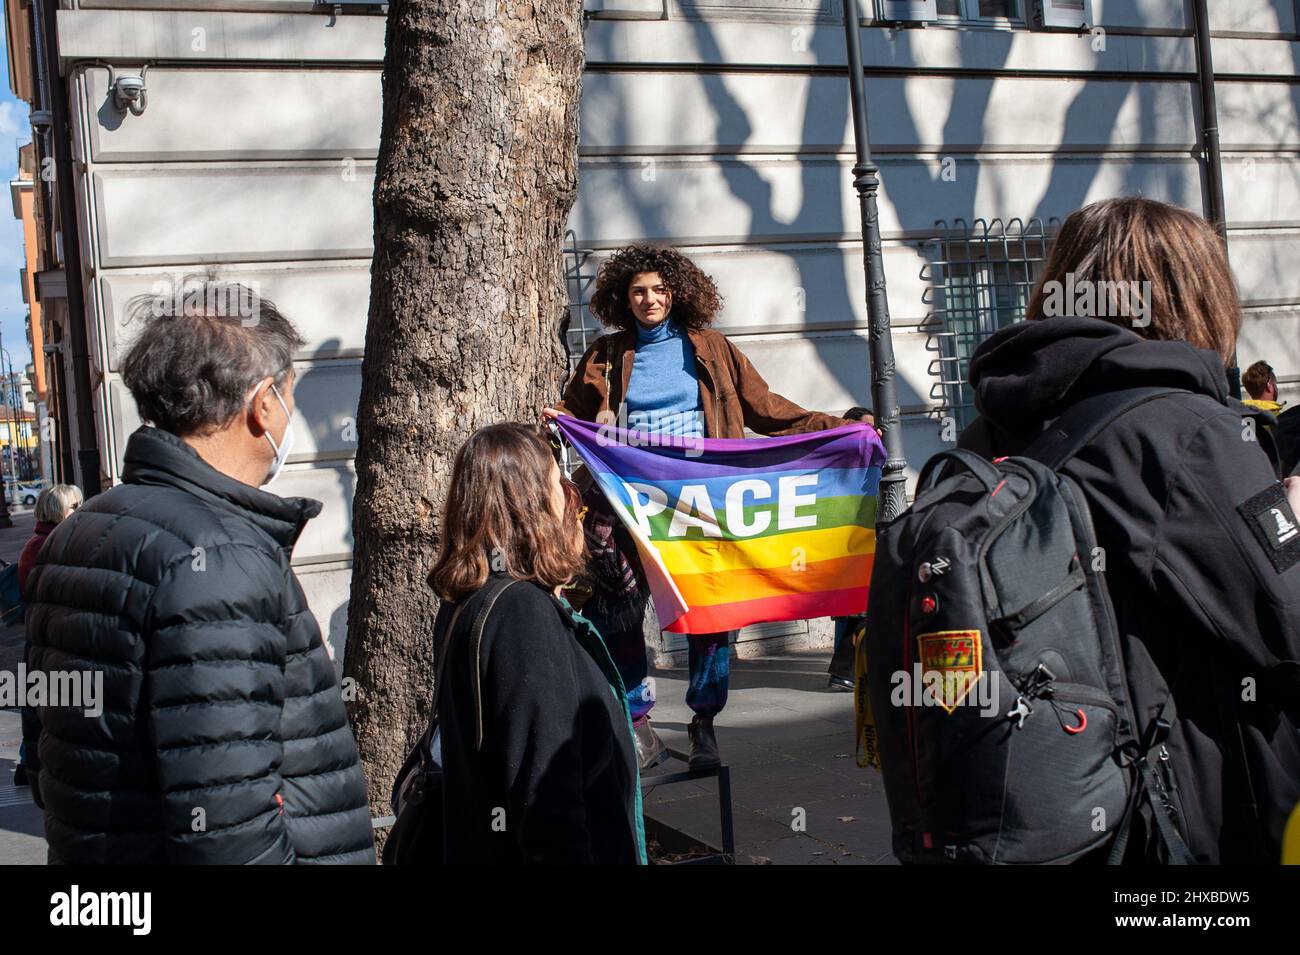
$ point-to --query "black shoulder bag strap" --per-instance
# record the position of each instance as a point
(492, 590)
(476, 645)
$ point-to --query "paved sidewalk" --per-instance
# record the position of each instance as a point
(22, 827)
(22, 831)
(789, 743)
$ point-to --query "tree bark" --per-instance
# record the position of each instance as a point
(476, 175)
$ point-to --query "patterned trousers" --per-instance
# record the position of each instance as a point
(708, 654)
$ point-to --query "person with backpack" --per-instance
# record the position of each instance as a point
(533, 732)
(664, 372)
(1134, 579)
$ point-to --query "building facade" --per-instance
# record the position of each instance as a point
(720, 126)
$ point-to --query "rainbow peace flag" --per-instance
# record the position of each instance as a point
(739, 531)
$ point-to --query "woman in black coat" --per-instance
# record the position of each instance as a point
(536, 738)
(1200, 541)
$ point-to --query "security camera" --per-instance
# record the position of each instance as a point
(129, 92)
(41, 119)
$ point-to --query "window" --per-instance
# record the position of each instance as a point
(581, 327)
(981, 279)
(1065, 14)
(980, 9)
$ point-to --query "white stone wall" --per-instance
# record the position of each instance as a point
(721, 126)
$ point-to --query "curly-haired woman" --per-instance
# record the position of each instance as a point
(665, 371)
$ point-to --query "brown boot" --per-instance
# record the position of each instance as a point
(704, 745)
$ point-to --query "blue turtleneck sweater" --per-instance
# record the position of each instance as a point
(663, 395)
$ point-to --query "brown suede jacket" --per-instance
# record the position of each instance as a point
(733, 394)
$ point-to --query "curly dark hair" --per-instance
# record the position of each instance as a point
(695, 297)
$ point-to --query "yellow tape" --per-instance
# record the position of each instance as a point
(864, 723)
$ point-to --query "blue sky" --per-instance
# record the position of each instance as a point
(14, 131)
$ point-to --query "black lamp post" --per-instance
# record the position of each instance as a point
(1215, 209)
(884, 392)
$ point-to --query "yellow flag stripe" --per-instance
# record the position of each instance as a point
(780, 550)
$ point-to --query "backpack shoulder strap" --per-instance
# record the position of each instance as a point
(937, 468)
(1072, 431)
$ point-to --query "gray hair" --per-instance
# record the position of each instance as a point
(203, 348)
(57, 502)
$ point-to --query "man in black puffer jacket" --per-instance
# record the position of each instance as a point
(223, 736)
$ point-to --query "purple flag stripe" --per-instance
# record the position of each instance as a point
(856, 445)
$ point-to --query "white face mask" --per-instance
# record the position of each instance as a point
(283, 449)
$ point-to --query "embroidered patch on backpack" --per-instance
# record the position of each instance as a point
(951, 664)
(1273, 522)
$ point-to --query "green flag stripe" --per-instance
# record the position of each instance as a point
(850, 509)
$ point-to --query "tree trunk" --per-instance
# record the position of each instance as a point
(476, 175)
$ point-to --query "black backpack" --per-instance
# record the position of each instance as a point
(1003, 721)
(418, 834)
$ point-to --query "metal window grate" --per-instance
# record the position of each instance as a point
(580, 327)
(980, 278)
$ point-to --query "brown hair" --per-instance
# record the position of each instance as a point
(1192, 297)
(695, 296)
(499, 506)
(1257, 378)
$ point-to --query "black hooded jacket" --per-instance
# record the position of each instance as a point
(223, 736)
(1202, 567)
